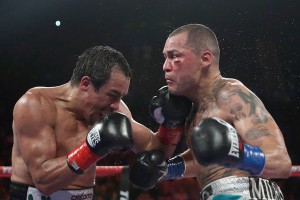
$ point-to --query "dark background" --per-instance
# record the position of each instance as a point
(259, 41)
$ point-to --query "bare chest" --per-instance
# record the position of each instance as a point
(197, 116)
(69, 133)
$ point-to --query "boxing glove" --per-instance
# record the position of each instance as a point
(215, 141)
(170, 111)
(112, 133)
(149, 168)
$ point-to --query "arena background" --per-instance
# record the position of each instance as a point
(259, 41)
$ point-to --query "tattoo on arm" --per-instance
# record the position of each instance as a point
(254, 103)
(237, 110)
(259, 119)
(252, 100)
(257, 132)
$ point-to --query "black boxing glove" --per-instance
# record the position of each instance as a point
(149, 168)
(112, 133)
(215, 141)
(170, 111)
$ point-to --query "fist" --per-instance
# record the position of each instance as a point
(147, 169)
(169, 110)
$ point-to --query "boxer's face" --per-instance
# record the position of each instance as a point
(107, 98)
(181, 65)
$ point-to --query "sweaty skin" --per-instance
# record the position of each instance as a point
(49, 122)
(195, 74)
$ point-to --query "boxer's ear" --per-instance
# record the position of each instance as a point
(85, 83)
(206, 58)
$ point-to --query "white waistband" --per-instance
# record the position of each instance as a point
(84, 194)
(244, 187)
(228, 184)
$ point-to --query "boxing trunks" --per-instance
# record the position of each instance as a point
(20, 191)
(241, 188)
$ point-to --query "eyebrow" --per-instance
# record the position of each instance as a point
(117, 93)
(172, 51)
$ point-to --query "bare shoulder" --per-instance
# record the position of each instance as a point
(246, 112)
(34, 99)
(33, 107)
(225, 84)
(233, 93)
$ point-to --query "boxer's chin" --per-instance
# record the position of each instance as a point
(173, 90)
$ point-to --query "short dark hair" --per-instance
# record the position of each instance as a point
(97, 63)
(200, 38)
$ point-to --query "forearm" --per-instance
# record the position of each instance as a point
(191, 168)
(155, 143)
(182, 165)
(167, 139)
(53, 175)
(146, 140)
(278, 164)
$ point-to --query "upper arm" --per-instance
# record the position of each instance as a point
(249, 116)
(34, 132)
(257, 127)
(142, 135)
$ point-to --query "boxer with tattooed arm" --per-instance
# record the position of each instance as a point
(235, 146)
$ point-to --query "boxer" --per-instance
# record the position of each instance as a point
(234, 145)
(61, 132)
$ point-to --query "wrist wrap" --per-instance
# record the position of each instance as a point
(176, 168)
(80, 158)
(169, 136)
(253, 160)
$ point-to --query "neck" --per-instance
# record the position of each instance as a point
(72, 99)
(207, 83)
(204, 89)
